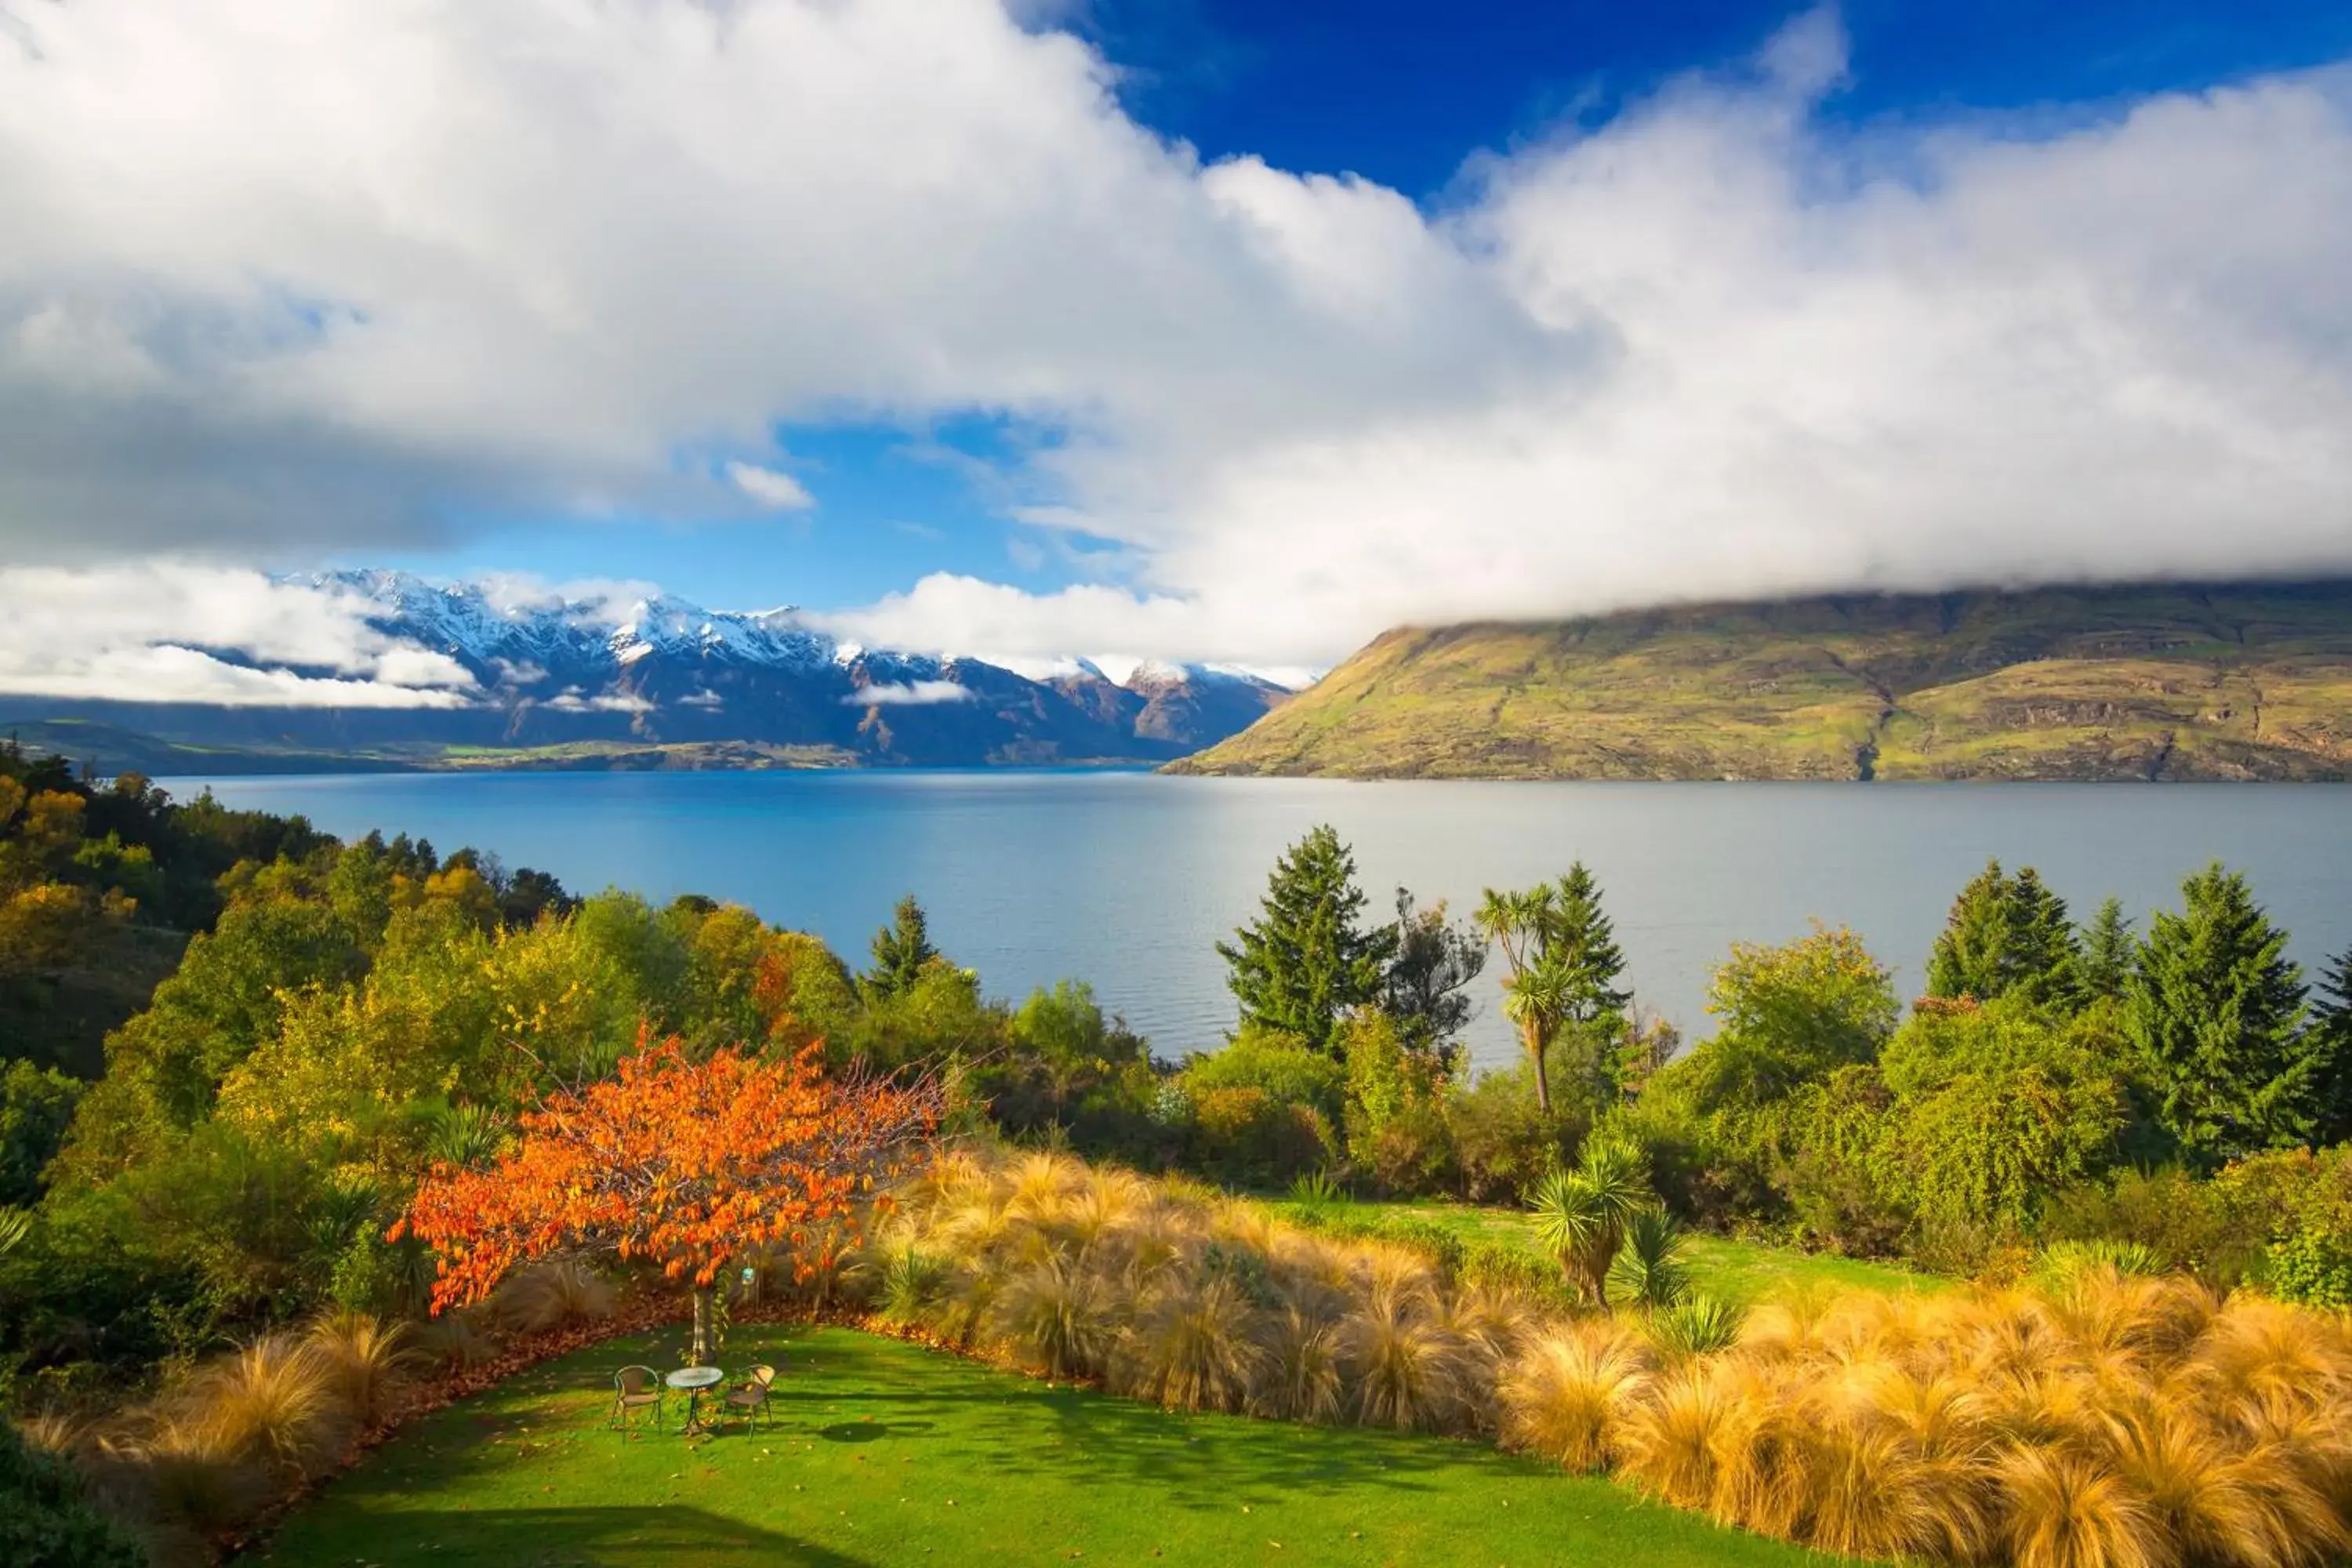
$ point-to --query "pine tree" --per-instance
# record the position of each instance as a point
(1306, 961)
(900, 950)
(2046, 958)
(2008, 936)
(1968, 957)
(2108, 947)
(2215, 1011)
(2331, 1046)
(1585, 939)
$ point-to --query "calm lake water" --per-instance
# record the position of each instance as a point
(1126, 878)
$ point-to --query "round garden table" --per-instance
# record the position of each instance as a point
(692, 1381)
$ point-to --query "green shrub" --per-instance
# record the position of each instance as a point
(36, 1105)
(1837, 1197)
(1284, 1067)
(1503, 1144)
(1246, 1137)
(2301, 1204)
(1502, 1265)
(2190, 1226)
(1411, 1156)
(2312, 1267)
(46, 1518)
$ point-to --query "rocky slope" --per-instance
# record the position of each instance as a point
(2224, 681)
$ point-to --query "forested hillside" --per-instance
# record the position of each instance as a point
(2246, 682)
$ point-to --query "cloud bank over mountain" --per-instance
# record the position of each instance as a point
(285, 280)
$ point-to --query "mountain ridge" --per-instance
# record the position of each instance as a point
(545, 681)
(2230, 680)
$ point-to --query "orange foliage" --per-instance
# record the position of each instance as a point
(691, 1164)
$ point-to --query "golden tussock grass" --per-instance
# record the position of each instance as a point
(2098, 1418)
(273, 1402)
(1567, 1393)
(365, 1362)
(551, 1296)
(216, 1446)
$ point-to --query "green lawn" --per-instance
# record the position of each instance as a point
(884, 1453)
(1746, 1271)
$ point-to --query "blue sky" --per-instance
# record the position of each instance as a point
(1401, 92)
(1397, 92)
(1175, 328)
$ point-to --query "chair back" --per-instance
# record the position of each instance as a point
(765, 1376)
(635, 1380)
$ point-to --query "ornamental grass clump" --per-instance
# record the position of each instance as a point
(273, 1402)
(551, 1296)
(365, 1362)
(1058, 1318)
(1567, 1394)
(1195, 1346)
(1410, 1371)
(2095, 1417)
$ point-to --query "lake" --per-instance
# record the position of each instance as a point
(1126, 879)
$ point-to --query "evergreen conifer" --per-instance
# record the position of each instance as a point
(1306, 961)
(2108, 947)
(1583, 938)
(900, 950)
(2215, 1011)
(2008, 936)
(2331, 1042)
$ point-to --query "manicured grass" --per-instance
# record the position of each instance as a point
(884, 1453)
(1746, 1271)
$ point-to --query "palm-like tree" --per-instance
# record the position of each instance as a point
(1538, 999)
(1563, 963)
(1518, 923)
(1581, 1215)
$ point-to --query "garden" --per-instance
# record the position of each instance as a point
(327, 1244)
(887, 1453)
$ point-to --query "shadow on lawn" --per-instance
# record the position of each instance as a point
(672, 1537)
(1080, 1436)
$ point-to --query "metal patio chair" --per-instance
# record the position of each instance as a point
(750, 1393)
(635, 1388)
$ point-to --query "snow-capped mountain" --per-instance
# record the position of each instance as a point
(549, 670)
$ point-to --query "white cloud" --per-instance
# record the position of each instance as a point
(906, 694)
(771, 488)
(289, 277)
(518, 672)
(159, 634)
(571, 701)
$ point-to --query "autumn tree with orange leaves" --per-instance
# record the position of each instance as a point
(691, 1164)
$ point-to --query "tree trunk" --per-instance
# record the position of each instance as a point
(701, 1351)
(1543, 1079)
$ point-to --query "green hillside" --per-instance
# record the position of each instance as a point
(2238, 681)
